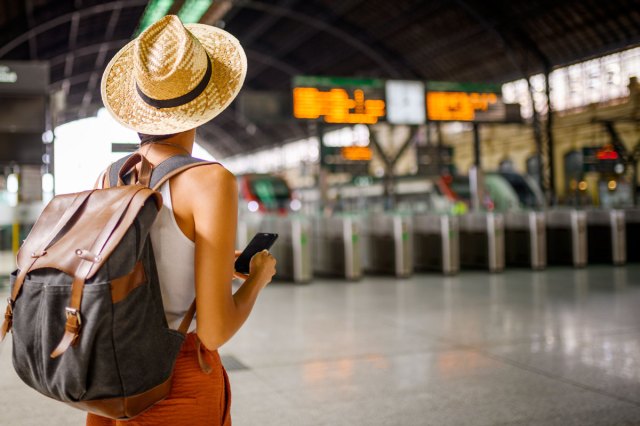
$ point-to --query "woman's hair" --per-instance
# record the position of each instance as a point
(146, 139)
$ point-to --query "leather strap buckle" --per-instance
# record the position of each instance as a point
(8, 313)
(71, 332)
(72, 312)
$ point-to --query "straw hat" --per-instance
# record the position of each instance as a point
(173, 77)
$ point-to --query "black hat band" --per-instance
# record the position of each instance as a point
(180, 100)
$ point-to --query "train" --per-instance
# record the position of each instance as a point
(504, 191)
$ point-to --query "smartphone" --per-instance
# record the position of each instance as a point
(261, 241)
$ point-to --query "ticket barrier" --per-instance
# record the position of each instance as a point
(482, 241)
(525, 239)
(632, 228)
(335, 247)
(566, 237)
(292, 249)
(436, 243)
(606, 236)
(387, 246)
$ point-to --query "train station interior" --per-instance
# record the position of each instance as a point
(454, 185)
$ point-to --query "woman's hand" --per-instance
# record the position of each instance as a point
(262, 266)
(237, 274)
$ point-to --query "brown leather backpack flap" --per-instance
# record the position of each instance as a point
(78, 236)
(41, 231)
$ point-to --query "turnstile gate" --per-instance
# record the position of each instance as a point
(336, 247)
(606, 236)
(632, 230)
(525, 239)
(482, 241)
(387, 245)
(436, 243)
(566, 237)
(292, 249)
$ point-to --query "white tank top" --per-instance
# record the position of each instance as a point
(174, 255)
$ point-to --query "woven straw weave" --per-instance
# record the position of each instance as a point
(167, 60)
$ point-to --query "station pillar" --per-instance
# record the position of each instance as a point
(476, 145)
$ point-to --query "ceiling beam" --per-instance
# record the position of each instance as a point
(63, 19)
(305, 33)
(264, 25)
(320, 24)
(33, 46)
(404, 69)
(89, 49)
(175, 7)
(217, 11)
(502, 38)
(70, 58)
(272, 61)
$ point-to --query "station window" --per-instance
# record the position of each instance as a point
(577, 85)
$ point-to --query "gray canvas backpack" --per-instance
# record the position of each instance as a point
(85, 310)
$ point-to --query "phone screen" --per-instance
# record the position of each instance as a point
(260, 241)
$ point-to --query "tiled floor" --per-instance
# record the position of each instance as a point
(557, 347)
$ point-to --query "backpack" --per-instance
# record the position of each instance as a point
(85, 310)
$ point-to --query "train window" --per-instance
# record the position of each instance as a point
(526, 194)
(270, 190)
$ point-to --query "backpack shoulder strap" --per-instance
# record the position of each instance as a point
(112, 171)
(100, 182)
(173, 166)
(169, 168)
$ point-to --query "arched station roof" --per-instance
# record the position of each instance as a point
(453, 40)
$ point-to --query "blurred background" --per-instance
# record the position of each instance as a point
(455, 185)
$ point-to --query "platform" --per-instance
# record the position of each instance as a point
(553, 347)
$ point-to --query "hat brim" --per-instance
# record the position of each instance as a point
(120, 97)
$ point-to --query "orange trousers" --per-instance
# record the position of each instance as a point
(195, 398)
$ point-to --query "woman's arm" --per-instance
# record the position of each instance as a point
(214, 204)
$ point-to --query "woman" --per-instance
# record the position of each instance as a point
(164, 84)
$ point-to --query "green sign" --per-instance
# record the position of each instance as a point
(325, 81)
(450, 86)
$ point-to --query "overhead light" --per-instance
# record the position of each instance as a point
(155, 10)
(13, 184)
(193, 10)
(47, 137)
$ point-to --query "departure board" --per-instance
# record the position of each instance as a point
(602, 159)
(338, 100)
(343, 100)
(348, 159)
(356, 153)
(465, 102)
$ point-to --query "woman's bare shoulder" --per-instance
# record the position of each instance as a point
(207, 183)
(205, 176)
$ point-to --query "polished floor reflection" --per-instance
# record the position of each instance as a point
(556, 347)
